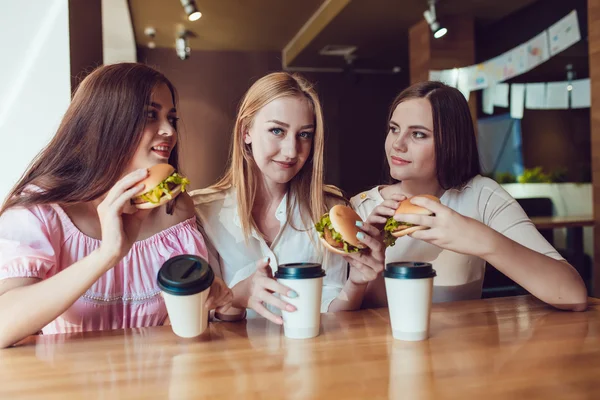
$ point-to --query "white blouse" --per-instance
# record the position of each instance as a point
(460, 276)
(218, 214)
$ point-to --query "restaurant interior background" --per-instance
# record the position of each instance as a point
(376, 48)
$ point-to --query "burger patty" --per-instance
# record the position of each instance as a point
(329, 239)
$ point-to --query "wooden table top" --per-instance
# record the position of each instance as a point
(498, 348)
(563, 222)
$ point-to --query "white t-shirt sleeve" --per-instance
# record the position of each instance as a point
(501, 212)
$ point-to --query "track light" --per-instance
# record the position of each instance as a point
(431, 18)
(570, 76)
(189, 6)
(182, 46)
(151, 33)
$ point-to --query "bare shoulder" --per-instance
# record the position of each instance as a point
(184, 208)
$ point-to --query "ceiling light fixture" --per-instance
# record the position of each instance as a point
(151, 33)
(431, 18)
(182, 45)
(189, 6)
(570, 76)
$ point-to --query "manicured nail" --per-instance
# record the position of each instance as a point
(360, 236)
(292, 294)
(290, 308)
(359, 223)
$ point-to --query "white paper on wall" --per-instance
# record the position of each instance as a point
(535, 96)
(517, 100)
(564, 33)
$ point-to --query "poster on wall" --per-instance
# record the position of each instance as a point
(515, 62)
(564, 33)
(537, 51)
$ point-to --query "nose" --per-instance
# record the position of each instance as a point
(400, 143)
(166, 129)
(289, 147)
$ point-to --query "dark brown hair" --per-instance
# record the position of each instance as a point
(456, 154)
(96, 139)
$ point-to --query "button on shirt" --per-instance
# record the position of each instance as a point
(218, 215)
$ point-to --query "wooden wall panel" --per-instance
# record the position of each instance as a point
(594, 49)
(456, 49)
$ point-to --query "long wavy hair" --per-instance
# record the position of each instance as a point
(96, 139)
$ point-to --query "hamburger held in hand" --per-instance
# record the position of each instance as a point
(164, 185)
(337, 230)
(394, 229)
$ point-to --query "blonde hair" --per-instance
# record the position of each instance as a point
(307, 186)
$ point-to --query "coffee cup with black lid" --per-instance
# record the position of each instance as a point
(185, 282)
(306, 280)
(409, 288)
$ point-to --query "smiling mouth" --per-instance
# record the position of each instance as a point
(285, 164)
(399, 161)
(162, 151)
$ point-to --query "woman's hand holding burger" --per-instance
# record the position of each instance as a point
(120, 228)
(130, 201)
(367, 264)
(447, 228)
(342, 231)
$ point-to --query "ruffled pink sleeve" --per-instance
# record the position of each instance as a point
(28, 248)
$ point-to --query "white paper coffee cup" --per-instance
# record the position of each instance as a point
(185, 283)
(306, 279)
(409, 288)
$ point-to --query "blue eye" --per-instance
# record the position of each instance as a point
(276, 131)
(419, 135)
(306, 135)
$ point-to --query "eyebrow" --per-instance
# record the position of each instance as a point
(288, 125)
(412, 126)
(156, 105)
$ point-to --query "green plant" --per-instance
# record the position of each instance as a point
(505, 177)
(559, 175)
(534, 175)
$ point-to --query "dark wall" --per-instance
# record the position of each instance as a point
(211, 84)
(85, 38)
(552, 139)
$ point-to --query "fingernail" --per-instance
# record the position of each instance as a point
(290, 308)
(142, 170)
(360, 235)
(292, 294)
(280, 321)
(266, 259)
(359, 223)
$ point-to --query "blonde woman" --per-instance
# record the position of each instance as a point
(262, 212)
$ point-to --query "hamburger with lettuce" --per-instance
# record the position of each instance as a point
(337, 230)
(394, 229)
(164, 185)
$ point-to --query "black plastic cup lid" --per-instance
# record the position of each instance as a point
(409, 270)
(299, 271)
(185, 275)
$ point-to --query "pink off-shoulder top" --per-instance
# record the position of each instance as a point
(42, 241)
